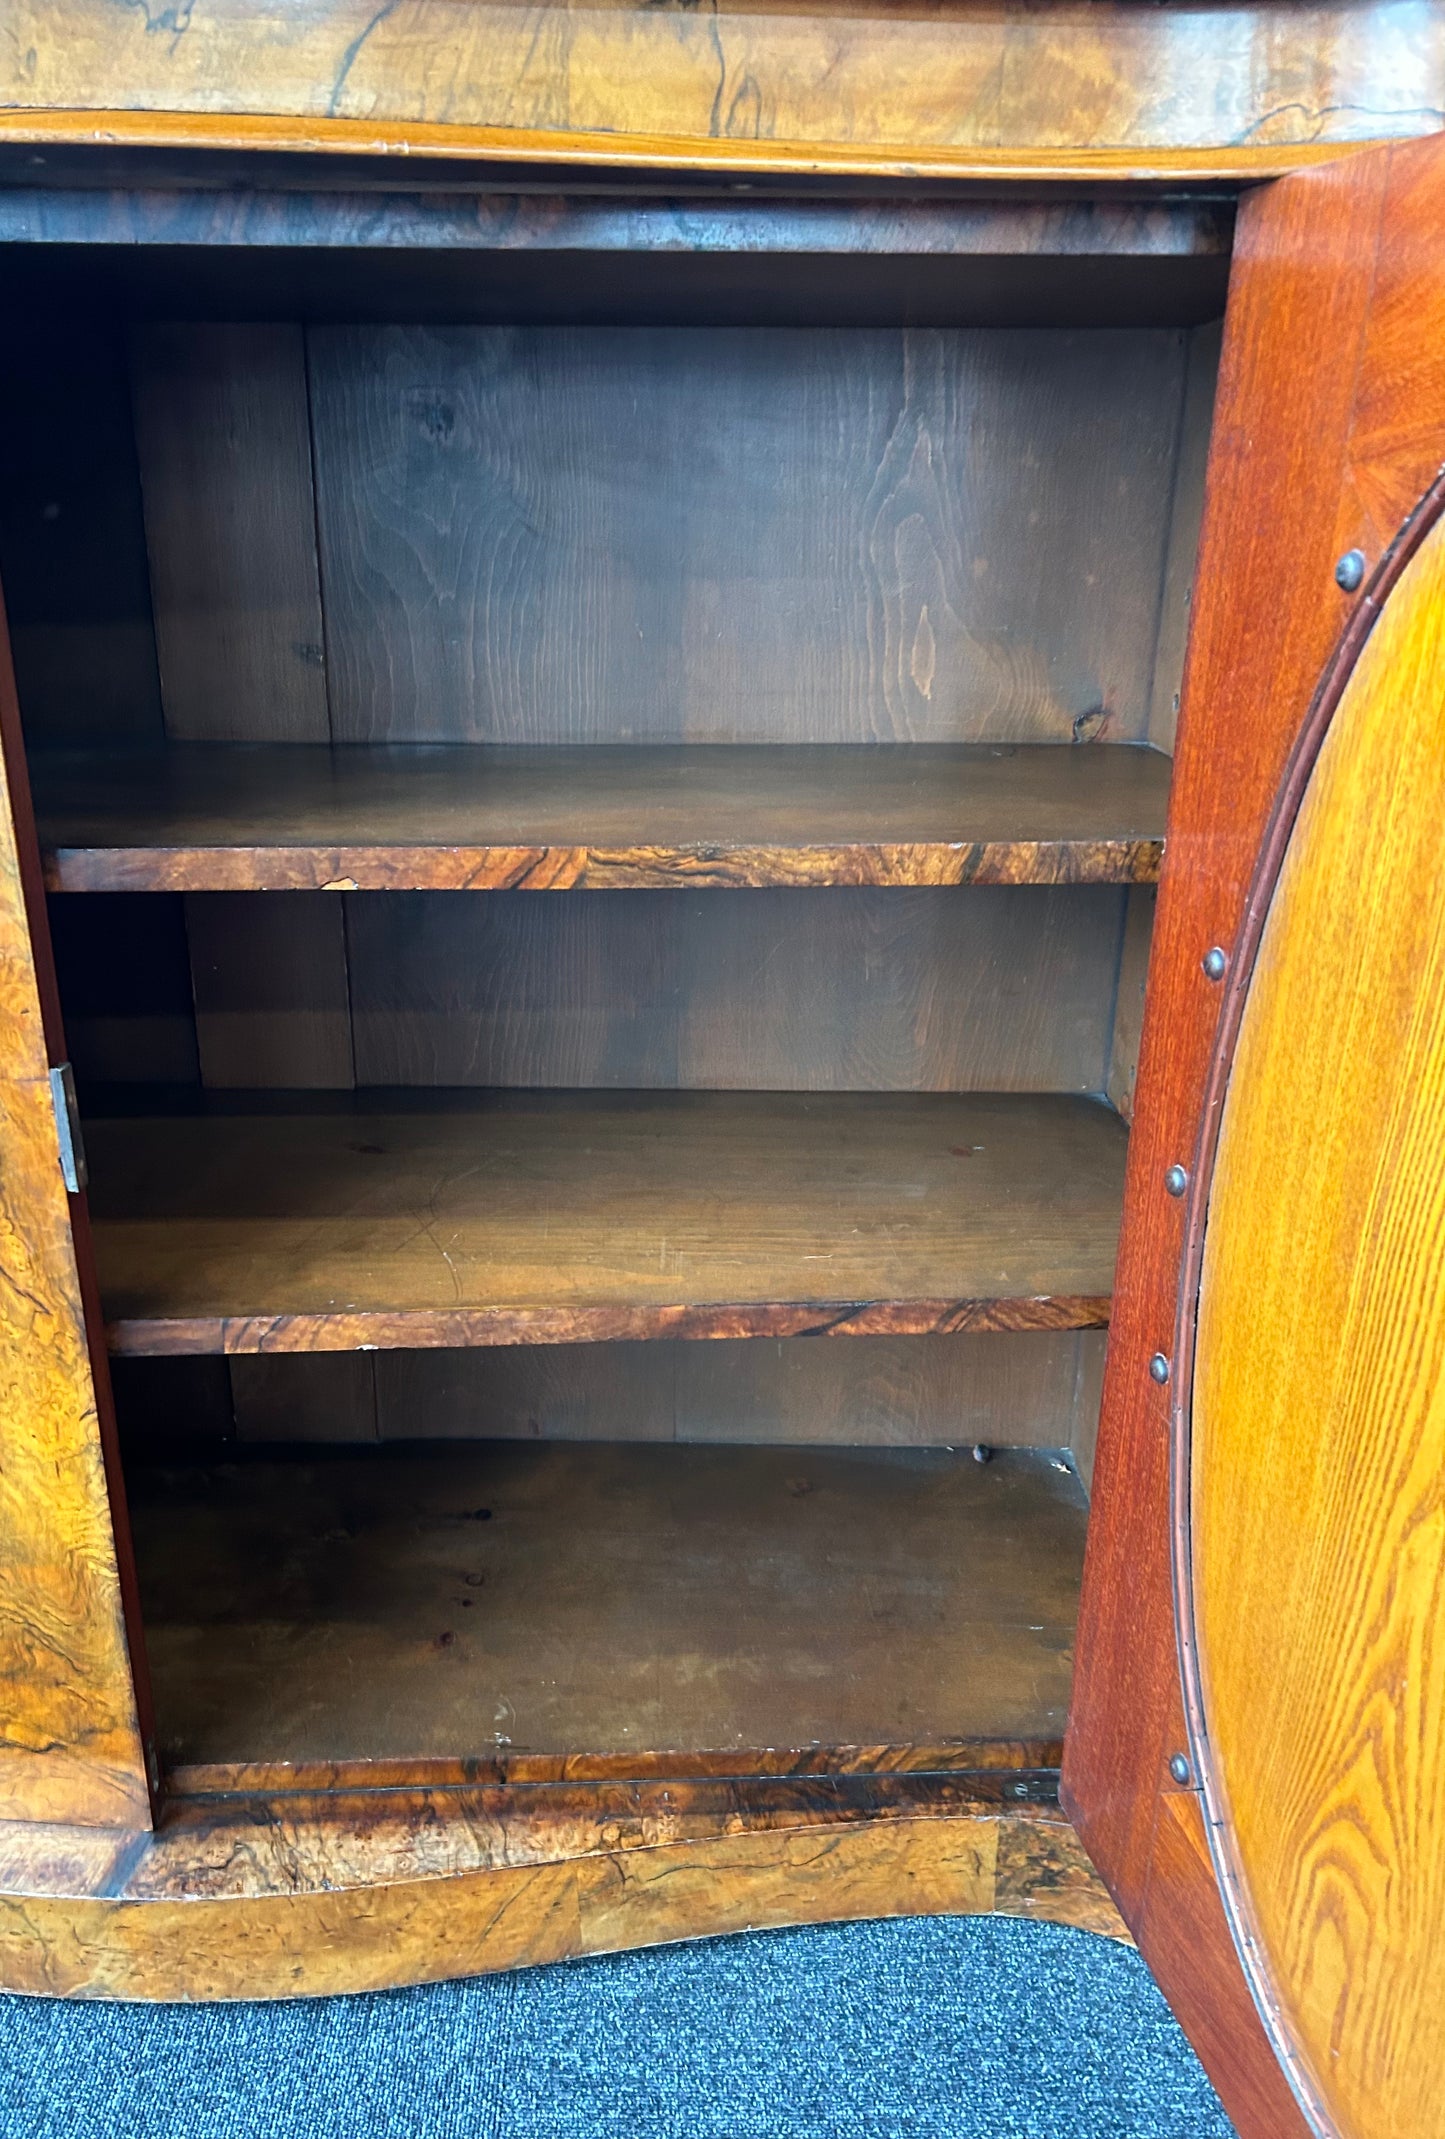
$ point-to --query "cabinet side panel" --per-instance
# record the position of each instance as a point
(70, 1735)
(1328, 430)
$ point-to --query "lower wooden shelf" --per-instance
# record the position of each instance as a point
(417, 1708)
(533, 1611)
(424, 1219)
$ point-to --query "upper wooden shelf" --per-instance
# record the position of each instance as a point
(316, 1224)
(240, 817)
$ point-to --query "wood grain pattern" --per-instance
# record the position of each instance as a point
(798, 1777)
(878, 1391)
(117, 148)
(222, 432)
(1190, 1949)
(192, 245)
(70, 1723)
(1318, 1435)
(1301, 334)
(521, 538)
(298, 1897)
(574, 1599)
(1038, 1389)
(951, 87)
(377, 210)
(813, 990)
(535, 1217)
(457, 818)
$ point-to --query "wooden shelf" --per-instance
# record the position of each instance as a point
(237, 817)
(524, 1217)
(548, 1600)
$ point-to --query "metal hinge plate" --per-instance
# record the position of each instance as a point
(67, 1125)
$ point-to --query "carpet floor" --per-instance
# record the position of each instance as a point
(934, 2028)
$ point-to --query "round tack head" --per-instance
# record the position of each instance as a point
(1350, 570)
(982, 1453)
(1176, 1180)
(1215, 964)
(1159, 1368)
(1180, 1769)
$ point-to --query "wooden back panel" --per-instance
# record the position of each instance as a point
(555, 535)
(822, 535)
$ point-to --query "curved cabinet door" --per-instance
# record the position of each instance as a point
(1255, 1757)
(1315, 1573)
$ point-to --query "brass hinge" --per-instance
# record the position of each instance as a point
(67, 1127)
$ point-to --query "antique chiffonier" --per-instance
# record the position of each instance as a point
(722, 743)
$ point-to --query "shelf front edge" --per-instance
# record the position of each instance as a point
(423, 1329)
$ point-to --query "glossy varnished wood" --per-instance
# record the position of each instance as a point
(70, 1719)
(535, 1217)
(301, 1895)
(1336, 304)
(576, 1599)
(461, 819)
(950, 87)
(1318, 1406)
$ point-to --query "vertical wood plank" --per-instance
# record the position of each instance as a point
(71, 1744)
(222, 427)
(1088, 1395)
(270, 979)
(1186, 514)
(1129, 998)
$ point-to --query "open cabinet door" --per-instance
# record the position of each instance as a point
(1256, 1757)
(75, 1739)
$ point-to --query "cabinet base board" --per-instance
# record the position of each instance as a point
(310, 1894)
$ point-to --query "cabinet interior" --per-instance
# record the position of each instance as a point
(600, 802)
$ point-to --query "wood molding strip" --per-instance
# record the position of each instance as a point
(1227, 165)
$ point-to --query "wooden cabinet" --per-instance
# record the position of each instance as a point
(588, 762)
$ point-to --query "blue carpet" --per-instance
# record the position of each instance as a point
(939, 2028)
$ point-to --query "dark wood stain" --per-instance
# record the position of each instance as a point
(851, 989)
(634, 1601)
(740, 535)
(479, 818)
(540, 1218)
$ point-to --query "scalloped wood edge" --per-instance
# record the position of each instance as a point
(280, 1899)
